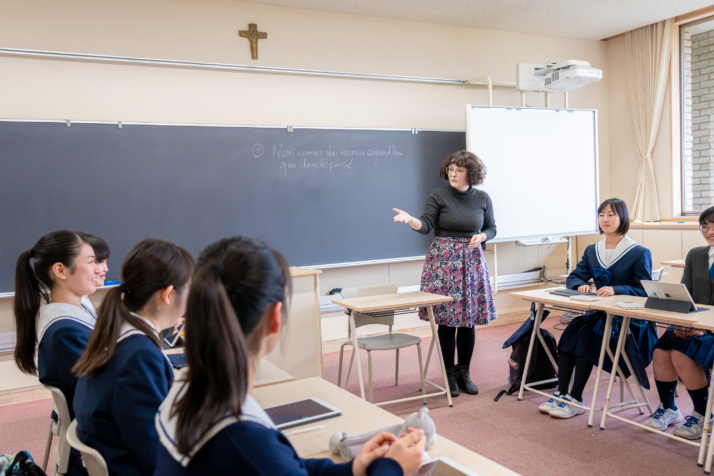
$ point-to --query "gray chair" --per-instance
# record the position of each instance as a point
(91, 458)
(389, 341)
(58, 428)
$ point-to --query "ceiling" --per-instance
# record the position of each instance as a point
(584, 19)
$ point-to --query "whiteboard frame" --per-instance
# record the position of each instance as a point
(596, 175)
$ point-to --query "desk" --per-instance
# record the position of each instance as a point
(699, 320)
(542, 297)
(358, 416)
(675, 263)
(392, 302)
(709, 326)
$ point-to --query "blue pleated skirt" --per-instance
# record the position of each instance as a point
(698, 348)
(583, 337)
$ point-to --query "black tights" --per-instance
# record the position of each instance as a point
(568, 362)
(462, 342)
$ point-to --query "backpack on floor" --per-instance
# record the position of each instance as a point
(540, 366)
(21, 465)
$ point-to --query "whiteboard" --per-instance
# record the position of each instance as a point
(542, 169)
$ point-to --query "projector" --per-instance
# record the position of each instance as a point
(556, 77)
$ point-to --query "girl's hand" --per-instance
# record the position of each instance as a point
(375, 448)
(585, 288)
(606, 291)
(408, 451)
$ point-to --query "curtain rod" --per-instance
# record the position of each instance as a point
(236, 67)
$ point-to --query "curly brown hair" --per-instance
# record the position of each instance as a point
(475, 170)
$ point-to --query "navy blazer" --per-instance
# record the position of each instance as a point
(115, 406)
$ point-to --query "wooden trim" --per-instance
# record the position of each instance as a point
(695, 15)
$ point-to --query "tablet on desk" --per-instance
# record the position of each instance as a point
(444, 467)
(171, 339)
(301, 412)
(570, 292)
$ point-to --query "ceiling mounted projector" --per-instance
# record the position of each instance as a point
(555, 77)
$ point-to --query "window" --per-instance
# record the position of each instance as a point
(696, 66)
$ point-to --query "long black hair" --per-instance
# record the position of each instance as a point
(236, 283)
(33, 282)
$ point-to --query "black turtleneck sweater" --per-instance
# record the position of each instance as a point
(451, 213)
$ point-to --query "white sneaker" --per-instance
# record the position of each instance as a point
(549, 405)
(663, 418)
(563, 410)
(692, 428)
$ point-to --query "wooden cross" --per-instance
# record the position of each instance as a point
(253, 35)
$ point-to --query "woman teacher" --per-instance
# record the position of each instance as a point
(462, 219)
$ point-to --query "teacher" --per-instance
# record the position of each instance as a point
(462, 219)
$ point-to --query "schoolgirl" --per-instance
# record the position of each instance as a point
(209, 423)
(687, 354)
(616, 264)
(101, 256)
(124, 375)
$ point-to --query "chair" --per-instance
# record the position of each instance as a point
(389, 341)
(58, 428)
(91, 458)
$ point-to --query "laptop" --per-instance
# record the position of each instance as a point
(672, 296)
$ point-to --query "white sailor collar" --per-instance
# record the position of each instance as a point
(128, 330)
(166, 421)
(57, 311)
(623, 247)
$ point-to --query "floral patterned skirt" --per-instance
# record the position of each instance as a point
(452, 269)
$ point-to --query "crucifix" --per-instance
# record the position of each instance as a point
(253, 35)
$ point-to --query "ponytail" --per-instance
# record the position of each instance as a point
(152, 265)
(236, 283)
(33, 283)
(211, 394)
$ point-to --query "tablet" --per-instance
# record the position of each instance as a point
(444, 467)
(301, 412)
(171, 339)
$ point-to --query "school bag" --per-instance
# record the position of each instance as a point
(540, 366)
(20, 464)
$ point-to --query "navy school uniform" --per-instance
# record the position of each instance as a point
(250, 446)
(115, 406)
(628, 265)
(701, 287)
(63, 332)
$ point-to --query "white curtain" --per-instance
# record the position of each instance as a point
(648, 51)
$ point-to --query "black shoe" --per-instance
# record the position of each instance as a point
(464, 380)
(451, 378)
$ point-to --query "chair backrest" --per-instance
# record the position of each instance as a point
(657, 274)
(386, 318)
(93, 460)
(59, 405)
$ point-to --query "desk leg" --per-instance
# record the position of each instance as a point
(620, 346)
(536, 327)
(355, 349)
(705, 434)
(600, 364)
(435, 338)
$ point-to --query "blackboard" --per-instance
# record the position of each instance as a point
(320, 196)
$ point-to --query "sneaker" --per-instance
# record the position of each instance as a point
(663, 418)
(563, 410)
(549, 405)
(692, 428)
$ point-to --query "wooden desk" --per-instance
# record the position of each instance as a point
(542, 297)
(700, 320)
(675, 263)
(393, 302)
(358, 416)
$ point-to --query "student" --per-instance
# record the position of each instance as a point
(616, 264)
(61, 266)
(59, 270)
(687, 353)
(124, 375)
(462, 219)
(209, 423)
(101, 256)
